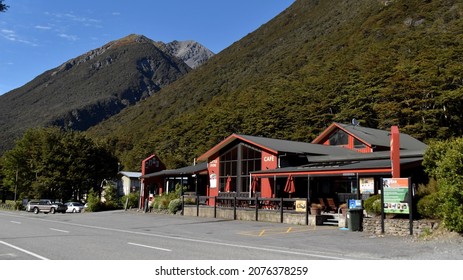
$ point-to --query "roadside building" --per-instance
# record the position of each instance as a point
(149, 187)
(346, 161)
(128, 182)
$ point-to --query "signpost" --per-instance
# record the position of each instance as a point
(396, 198)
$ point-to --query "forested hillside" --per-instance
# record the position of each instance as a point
(382, 62)
(87, 89)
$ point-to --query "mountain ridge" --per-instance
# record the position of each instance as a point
(315, 63)
(382, 62)
(91, 87)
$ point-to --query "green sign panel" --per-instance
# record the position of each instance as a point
(396, 196)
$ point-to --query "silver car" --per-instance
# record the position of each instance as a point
(74, 207)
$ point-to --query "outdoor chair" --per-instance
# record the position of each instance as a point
(322, 203)
(332, 205)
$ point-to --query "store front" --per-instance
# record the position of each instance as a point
(344, 162)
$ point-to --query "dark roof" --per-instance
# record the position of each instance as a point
(286, 146)
(130, 174)
(339, 166)
(367, 156)
(378, 137)
(374, 137)
(188, 170)
(279, 146)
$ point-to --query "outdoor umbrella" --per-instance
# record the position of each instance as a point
(254, 184)
(289, 188)
(227, 184)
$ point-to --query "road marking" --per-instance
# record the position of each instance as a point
(264, 249)
(23, 250)
(151, 247)
(15, 222)
(275, 231)
(60, 230)
(9, 255)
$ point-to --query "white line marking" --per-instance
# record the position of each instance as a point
(15, 222)
(9, 255)
(23, 250)
(151, 247)
(277, 250)
(60, 230)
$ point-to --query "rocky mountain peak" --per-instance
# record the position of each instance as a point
(191, 52)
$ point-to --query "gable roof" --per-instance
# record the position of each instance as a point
(372, 136)
(130, 174)
(376, 166)
(188, 170)
(278, 146)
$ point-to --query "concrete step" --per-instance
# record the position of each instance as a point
(331, 221)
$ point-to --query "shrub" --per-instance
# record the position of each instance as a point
(163, 202)
(428, 206)
(373, 205)
(18, 205)
(443, 161)
(131, 199)
(93, 202)
(175, 205)
(376, 207)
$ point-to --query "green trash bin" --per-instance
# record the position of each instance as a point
(355, 219)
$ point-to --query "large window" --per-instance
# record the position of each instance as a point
(237, 163)
(229, 167)
(339, 138)
(358, 144)
(251, 160)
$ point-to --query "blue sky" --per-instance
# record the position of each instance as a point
(38, 35)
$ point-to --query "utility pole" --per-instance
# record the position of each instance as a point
(16, 185)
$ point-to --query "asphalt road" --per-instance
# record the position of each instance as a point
(121, 235)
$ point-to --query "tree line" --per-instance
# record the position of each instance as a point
(55, 164)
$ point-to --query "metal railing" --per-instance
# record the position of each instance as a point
(257, 204)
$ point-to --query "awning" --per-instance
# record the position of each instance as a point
(188, 170)
(347, 168)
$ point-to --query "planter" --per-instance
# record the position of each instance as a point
(344, 211)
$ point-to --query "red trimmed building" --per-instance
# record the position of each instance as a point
(345, 161)
(150, 186)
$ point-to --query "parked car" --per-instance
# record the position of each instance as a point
(45, 206)
(74, 207)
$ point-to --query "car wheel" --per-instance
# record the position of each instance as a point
(52, 210)
(74, 210)
(36, 210)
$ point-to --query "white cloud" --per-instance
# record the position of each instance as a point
(85, 20)
(11, 35)
(68, 37)
(8, 34)
(42, 27)
(116, 13)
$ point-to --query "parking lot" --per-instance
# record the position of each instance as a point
(121, 235)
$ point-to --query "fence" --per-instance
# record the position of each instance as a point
(257, 205)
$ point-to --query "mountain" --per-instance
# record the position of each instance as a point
(94, 86)
(192, 53)
(384, 63)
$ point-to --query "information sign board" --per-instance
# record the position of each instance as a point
(396, 195)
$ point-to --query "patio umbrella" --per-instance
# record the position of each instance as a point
(227, 184)
(254, 184)
(289, 188)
